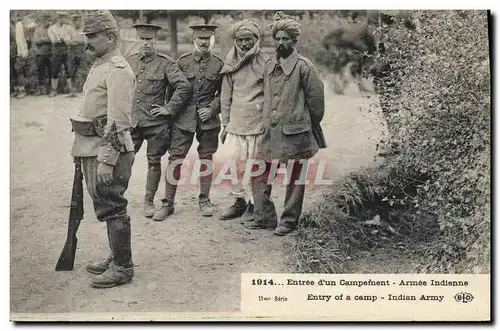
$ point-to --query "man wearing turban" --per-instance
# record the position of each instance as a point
(242, 98)
(293, 109)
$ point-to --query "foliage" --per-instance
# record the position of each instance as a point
(434, 83)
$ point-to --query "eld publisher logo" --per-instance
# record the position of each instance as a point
(463, 297)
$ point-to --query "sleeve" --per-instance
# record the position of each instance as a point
(52, 35)
(37, 35)
(180, 85)
(226, 97)
(70, 35)
(120, 87)
(314, 93)
(215, 103)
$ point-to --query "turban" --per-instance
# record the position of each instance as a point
(244, 27)
(286, 23)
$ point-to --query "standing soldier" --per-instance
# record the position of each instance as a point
(21, 61)
(200, 117)
(293, 109)
(76, 52)
(104, 145)
(162, 90)
(59, 35)
(43, 54)
(242, 97)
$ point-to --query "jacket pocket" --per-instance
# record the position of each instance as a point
(296, 138)
(296, 128)
(154, 84)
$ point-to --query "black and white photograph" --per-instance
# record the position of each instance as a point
(158, 155)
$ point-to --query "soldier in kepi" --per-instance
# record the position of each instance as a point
(200, 117)
(242, 97)
(59, 34)
(161, 92)
(76, 52)
(294, 105)
(104, 145)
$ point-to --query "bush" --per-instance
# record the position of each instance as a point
(434, 85)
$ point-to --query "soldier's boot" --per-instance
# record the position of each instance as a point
(237, 209)
(22, 92)
(121, 268)
(54, 82)
(152, 181)
(39, 91)
(206, 207)
(71, 87)
(248, 214)
(98, 268)
(167, 204)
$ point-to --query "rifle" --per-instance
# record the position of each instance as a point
(67, 258)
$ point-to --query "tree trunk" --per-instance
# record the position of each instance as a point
(173, 35)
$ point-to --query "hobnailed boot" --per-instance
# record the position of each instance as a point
(22, 92)
(166, 209)
(235, 210)
(248, 215)
(206, 207)
(152, 181)
(121, 268)
(54, 83)
(71, 87)
(39, 91)
(98, 268)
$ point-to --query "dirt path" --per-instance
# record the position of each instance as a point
(188, 263)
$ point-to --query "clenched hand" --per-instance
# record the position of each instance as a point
(204, 114)
(104, 174)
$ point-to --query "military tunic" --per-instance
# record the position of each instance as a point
(108, 91)
(203, 73)
(159, 82)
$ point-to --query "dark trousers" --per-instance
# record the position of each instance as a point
(59, 58)
(181, 141)
(110, 205)
(264, 209)
(158, 138)
(109, 201)
(44, 69)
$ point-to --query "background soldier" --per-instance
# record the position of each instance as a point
(294, 105)
(21, 60)
(59, 35)
(43, 54)
(242, 97)
(156, 74)
(107, 152)
(76, 52)
(202, 69)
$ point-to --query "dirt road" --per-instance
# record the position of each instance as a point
(187, 263)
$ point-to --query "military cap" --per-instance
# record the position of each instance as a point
(145, 30)
(74, 16)
(203, 30)
(98, 21)
(62, 13)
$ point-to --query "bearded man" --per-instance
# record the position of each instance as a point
(242, 98)
(294, 105)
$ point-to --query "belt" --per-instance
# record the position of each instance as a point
(89, 127)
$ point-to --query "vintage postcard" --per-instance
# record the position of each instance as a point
(250, 165)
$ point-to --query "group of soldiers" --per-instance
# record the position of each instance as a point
(267, 108)
(57, 45)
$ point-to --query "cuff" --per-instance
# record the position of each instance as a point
(108, 155)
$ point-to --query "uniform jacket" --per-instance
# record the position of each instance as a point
(293, 109)
(203, 74)
(242, 99)
(42, 41)
(159, 81)
(108, 90)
